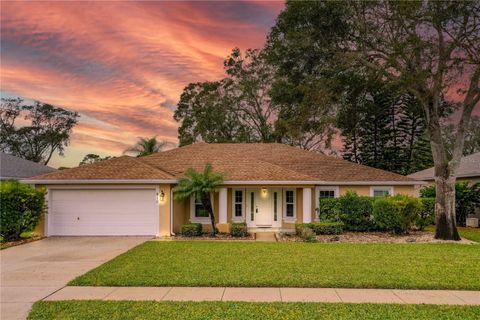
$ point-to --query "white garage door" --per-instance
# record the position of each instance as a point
(100, 212)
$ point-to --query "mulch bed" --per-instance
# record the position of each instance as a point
(5, 245)
(220, 236)
(374, 237)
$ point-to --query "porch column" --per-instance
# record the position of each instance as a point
(307, 205)
(222, 205)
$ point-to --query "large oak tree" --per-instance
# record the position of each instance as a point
(430, 49)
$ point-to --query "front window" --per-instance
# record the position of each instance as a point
(289, 204)
(381, 191)
(200, 212)
(238, 204)
(325, 194)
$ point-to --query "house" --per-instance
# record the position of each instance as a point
(469, 169)
(268, 186)
(12, 167)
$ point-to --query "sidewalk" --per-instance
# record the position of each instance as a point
(268, 295)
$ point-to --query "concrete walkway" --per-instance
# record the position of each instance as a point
(269, 295)
(32, 271)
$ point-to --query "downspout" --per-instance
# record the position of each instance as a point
(171, 212)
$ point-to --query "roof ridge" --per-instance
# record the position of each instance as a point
(153, 167)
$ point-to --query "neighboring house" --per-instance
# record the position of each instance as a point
(469, 169)
(12, 167)
(268, 186)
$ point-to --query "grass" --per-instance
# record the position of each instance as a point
(111, 310)
(472, 234)
(244, 264)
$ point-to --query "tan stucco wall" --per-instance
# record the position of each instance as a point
(181, 214)
(360, 190)
(406, 190)
(365, 190)
(164, 210)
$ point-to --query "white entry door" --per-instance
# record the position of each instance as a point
(259, 206)
(103, 212)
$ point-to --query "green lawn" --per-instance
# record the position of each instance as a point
(467, 233)
(204, 263)
(111, 310)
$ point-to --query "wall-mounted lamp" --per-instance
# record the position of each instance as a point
(162, 196)
(264, 193)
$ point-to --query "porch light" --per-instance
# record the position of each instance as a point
(162, 196)
(264, 192)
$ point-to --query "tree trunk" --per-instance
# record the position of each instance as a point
(445, 218)
(207, 205)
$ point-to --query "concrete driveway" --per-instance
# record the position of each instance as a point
(33, 271)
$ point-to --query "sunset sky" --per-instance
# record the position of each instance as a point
(121, 65)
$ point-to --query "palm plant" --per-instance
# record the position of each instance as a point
(146, 146)
(200, 185)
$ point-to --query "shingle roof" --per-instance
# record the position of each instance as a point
(237, 162)
(469, 168)
(121, 168)
(12, 167)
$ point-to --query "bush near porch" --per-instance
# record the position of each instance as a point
(359, 213)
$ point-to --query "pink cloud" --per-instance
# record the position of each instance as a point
(121, 65)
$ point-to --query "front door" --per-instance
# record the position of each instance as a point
(259, 207)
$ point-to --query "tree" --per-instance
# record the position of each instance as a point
(472, 137)
(383, 127)
(146, 146)
(427, 48)
(48, 129)
(205, 110)
(239, 108)
(92, 158)
(467, 198)
(201, 185)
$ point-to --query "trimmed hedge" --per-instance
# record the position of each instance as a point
(327, 210)
(21, 209)
(356, 212)
(397, 213)
(192, 230)
(239, 230)
(322, 227)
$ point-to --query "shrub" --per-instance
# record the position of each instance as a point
(467, 197)
(328, 209)
(192, 230)
(327, 227)
(21, 209)
(239, 230)
(396, 213)
(356, 212)
(427, 213)
(306, 233)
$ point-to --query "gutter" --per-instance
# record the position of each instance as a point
(231, 182)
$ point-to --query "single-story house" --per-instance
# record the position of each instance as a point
(267, 186)
(469, 169)
(12, 167)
